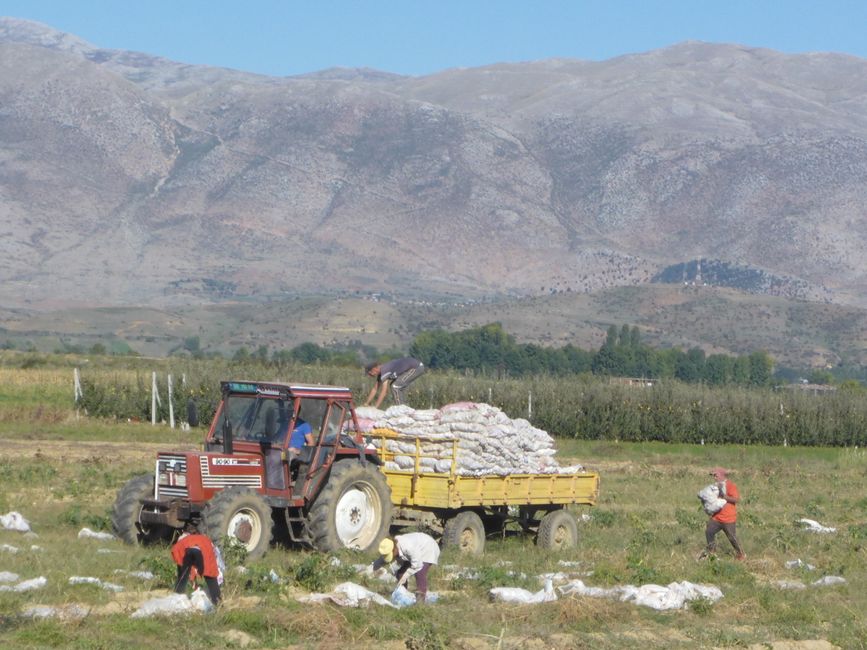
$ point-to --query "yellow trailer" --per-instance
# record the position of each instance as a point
(471, 508)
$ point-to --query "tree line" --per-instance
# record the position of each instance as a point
(491, 350)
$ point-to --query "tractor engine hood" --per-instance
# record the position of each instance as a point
(197, 475)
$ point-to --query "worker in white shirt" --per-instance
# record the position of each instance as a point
(415, 552)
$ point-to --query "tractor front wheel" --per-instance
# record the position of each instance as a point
(243, 516)
(352, 510)
(126, 511)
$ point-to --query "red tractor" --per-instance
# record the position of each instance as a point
(331, 495)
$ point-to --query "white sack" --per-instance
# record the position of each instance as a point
(6, 576)
(675, 596)
(518, 595)
(828, 581)
(816, 527)
(710, 499)
(790, 584)
(27, 585)
(489, 442)
(143, 575)
(799, 564)
(348, 594)
(14, 521)
(72, 611)
(401, 597)
(168, 606)
(87, 533)
(200, 601)
(88, 580)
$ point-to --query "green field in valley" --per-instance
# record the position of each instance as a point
(62, 473)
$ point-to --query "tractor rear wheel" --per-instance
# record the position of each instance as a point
(466, 532)
(558, 530)
(352, 510)
(242, 515)
(126, 511)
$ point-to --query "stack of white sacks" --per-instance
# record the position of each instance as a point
(489, 441)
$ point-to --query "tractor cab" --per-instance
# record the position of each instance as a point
(259, 419)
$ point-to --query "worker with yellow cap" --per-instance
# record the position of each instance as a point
(415, 552)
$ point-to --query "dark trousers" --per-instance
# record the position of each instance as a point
(713, 527)
(402, 381)
(420, 578)
(193, 558)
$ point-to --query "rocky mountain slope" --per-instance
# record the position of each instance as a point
(126, 179)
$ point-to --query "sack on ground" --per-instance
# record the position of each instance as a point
(402, 597)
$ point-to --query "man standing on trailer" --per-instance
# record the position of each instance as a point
(398, 373)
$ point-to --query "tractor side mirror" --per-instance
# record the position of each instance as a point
(192, 413)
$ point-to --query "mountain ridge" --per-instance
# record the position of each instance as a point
(129, 179)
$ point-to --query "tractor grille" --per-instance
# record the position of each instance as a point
(171, 477)
(210, 480)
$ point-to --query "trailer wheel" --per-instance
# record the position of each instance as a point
(240, 514)
(558, 530)
(352, 510)
(466, 532)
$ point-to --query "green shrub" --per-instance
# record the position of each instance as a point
(262, 578)
(234, 552)
(160, 563)
(701, 606)
(857, 531)
(424, 635)
(603, 518)
(312, 573)
(74, 518)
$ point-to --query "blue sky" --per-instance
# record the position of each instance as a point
(421, 37)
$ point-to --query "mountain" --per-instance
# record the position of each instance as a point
(131, 180)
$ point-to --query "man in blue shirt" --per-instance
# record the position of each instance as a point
(397, 373)
(302, 435)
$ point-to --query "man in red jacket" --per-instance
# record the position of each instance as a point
(724, 520)
(195, 555)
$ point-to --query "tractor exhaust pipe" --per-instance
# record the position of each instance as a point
(227, 436)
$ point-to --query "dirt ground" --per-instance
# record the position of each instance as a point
(143, 452)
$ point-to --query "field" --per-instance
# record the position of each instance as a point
(61, 472)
